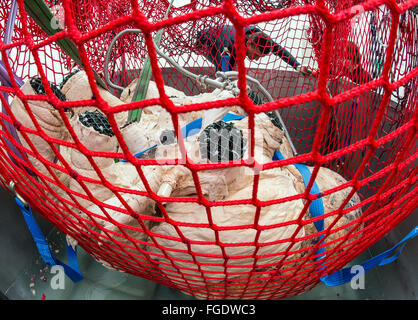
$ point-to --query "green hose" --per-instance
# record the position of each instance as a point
(141, 88)
(254, 97)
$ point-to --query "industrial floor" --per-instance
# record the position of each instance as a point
(24, 276)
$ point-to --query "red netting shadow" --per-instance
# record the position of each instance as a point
(221, 223)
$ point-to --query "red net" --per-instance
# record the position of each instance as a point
(225, 230)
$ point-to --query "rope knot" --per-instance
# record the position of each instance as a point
(17, 125)
(135, 215)
(74, 174)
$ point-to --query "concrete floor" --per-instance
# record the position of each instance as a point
(20, 263)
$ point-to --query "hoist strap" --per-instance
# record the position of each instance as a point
(72, 270)
(316, 208)
(346, 275)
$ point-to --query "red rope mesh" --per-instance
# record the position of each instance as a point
(361, 123)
